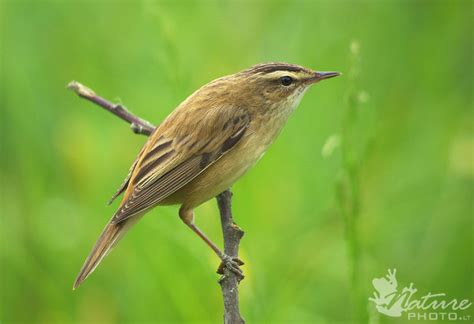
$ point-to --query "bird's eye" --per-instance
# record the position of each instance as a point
(286, 80)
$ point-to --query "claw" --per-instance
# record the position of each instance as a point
(240, 262)
(233, 264)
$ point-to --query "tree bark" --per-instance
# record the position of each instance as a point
(230, 281)
(231, 232)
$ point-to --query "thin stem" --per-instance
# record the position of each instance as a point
(138, 125)
(230, 281)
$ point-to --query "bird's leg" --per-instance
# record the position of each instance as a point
(232, 263)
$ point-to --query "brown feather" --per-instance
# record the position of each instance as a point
(155, 176)
(110, 236)
(149, 191)
(125, 182)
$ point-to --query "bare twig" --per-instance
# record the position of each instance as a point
(138, 125)
(232, 233)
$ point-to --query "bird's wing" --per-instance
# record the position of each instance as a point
(126, 181)
(185, 145)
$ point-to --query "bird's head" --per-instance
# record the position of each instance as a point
(266, 87)
(279, 84)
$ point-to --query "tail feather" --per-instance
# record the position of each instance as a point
(110, 236)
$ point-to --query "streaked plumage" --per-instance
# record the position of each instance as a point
(204, 146)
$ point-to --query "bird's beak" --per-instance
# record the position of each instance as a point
(318, 76)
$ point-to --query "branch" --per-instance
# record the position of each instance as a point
(232, 233)
(230, 281)
(138, 125)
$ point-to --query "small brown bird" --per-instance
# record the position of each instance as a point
(208, 142)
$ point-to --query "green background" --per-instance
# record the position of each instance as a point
(373, 171)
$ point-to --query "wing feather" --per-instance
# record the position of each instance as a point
(125, 182)
(156, 178)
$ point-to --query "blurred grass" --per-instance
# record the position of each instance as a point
(374, 171)
(347, 188)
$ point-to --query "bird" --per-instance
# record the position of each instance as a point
(203, 147)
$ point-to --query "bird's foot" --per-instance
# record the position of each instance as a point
(233, 264)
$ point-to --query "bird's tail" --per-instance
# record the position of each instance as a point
(110, 236)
